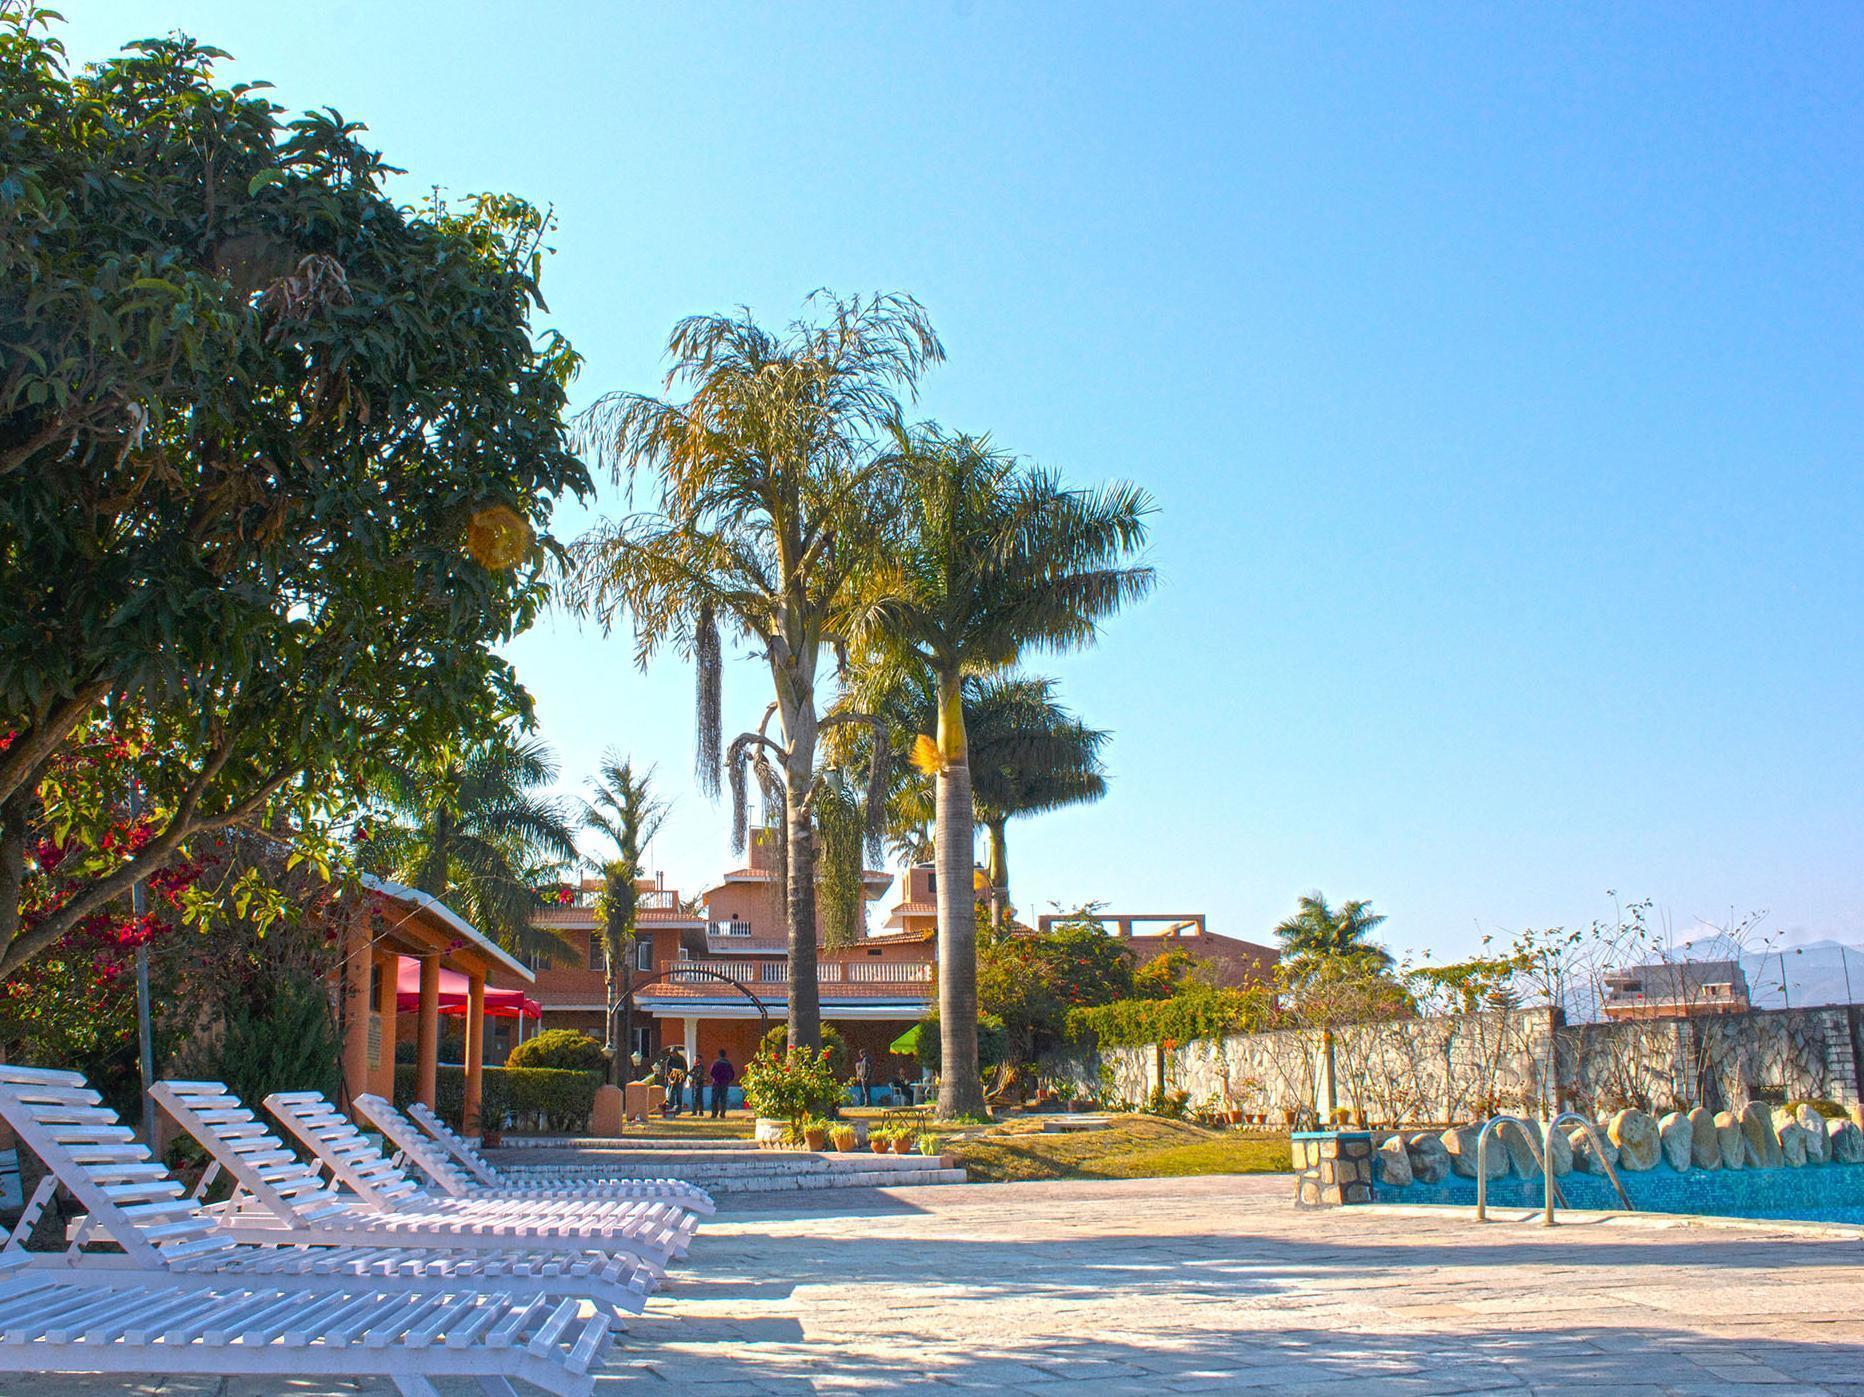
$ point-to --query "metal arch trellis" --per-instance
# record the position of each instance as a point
(684, 973)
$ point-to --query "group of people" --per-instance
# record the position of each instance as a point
(676, 1078)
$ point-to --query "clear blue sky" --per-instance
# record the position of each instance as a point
(1497, 371)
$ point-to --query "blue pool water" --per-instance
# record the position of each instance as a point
(1812, 1193)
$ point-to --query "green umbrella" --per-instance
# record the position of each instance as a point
(907, 1044)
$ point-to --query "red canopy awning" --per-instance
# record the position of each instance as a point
(499, 1004)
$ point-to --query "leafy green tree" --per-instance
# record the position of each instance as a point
(625, 812)
(468, 825)
(988, 558)
(276, 456)
(1031, 981)
(1319, 930)
(766, 476)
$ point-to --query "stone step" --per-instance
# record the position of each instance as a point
(650, 1143)
(736, 1171)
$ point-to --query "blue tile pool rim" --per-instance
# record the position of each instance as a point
(1810, 1193)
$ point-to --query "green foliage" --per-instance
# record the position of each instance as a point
(1198, 1010)
(1319, 929)
(466, 823)
(563, 1049)
(795, 1086)
(1831, 1110)
(285, 1042)
(1163, 975)
(1031, 981)
(278, 451)
(993, 1041)
(777, 1042)
(526, 1097)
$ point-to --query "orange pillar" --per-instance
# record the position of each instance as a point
(382, 1071)
(356, 965)
(427, 1033)
(475, 1049)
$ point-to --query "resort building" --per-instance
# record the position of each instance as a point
(713, 972)
(1227, 960)
(1680, 989)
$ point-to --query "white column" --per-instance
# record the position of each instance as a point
(692, 1044)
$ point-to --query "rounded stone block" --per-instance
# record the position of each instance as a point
(1559, 1154)
(1430, 1161)
(1677, 1140)
(1586, 1158)
(1634, 1134)
(1763, 1141)
(1818, 1135)
(1394, 1164)
(1523, 1149)
(1459, 1142)
(1705, 1146)
(1732, 1138)
(1792, 1144)
(1847, 1143)
(605, 1115)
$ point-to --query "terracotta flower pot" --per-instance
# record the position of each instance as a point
(902, 1146)
(1233, 1117)
(814, 1139)
(879, 1146)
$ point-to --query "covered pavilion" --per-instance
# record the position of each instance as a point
(442, 946)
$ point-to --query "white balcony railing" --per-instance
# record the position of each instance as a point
(731, 928)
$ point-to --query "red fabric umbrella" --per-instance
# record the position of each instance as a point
(454, 992)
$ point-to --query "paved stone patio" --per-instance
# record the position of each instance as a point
(1217, 1285)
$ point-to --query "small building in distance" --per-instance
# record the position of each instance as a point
(1226, 960)
(1676, 989)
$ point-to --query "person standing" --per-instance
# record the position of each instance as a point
(676, 1081)
(864, 1078)
(723, 1075)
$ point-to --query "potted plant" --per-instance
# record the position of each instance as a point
(902, 1141)
(842, 1137)
(491, 1123)
(928, 1144)
(880, 1141)
(815, 1134)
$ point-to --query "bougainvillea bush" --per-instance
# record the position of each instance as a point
(795, 1085)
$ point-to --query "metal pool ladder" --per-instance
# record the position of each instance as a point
(1536, 1142)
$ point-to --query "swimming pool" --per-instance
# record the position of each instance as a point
(1814, 1193)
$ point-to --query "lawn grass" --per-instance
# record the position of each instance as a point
(1132, 1147)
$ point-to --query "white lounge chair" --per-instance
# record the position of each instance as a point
(358, 1163)
(143, 1326)
(279, 1193)
(132, 1201)
(460, 1171)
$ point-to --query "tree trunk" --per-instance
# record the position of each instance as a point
(799, 894)
(960, 1092)
(997, 866)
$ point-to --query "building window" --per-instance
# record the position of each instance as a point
(597, 961)
(644, 956)
(931, 884)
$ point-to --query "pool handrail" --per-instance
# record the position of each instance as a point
(1537, 1144)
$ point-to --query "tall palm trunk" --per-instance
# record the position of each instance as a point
(960, 1092)
(997, 868)
(798, 894)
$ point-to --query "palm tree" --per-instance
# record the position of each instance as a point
(469, 826)
(625, 812)
(1028, 755)
(1317, 931)
(766, 476)
(989, 558)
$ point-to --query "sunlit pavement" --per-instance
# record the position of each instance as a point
(1213, 1285)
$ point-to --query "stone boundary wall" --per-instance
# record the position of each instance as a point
(1468, 1066)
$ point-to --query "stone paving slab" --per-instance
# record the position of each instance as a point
(1212, 1285)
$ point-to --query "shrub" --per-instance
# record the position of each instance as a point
(287, 1042)
(532, 1098)
(777, 1042)
(560, 1049)
(1198, 1010)
(1831, 1110)
(794, 1086)
(993, 1041)
(927, 1144)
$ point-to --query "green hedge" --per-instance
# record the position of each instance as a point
(539, 1099)
(1196, 1011)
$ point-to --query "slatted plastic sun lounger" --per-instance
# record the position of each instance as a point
(280, 1198)
(357, 1163)
(132, 1201)
(443, 1165)
(143, 1326)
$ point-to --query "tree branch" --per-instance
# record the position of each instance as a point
(27, 755)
